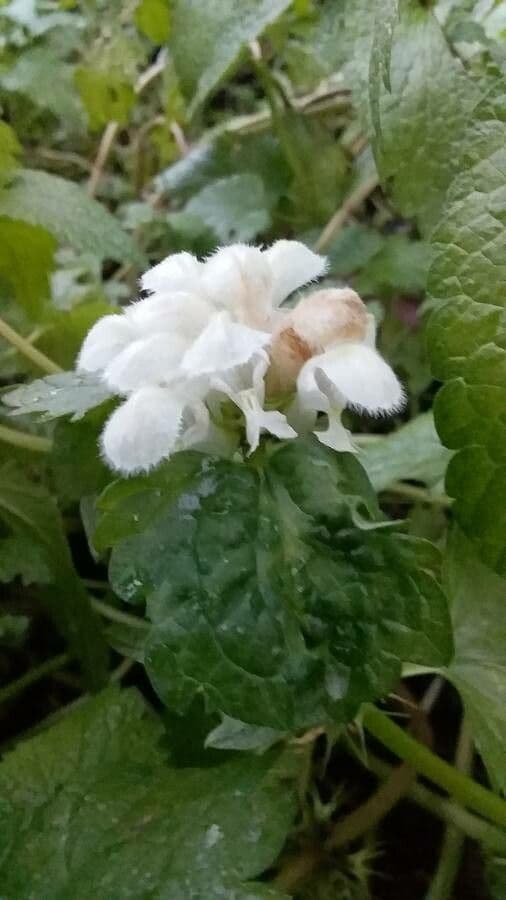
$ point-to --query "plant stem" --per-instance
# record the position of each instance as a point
(25, 440)
(412, 492)
(27, 349)
(33, 675)
(353, 202)
(453, 842)
(117, 615)
(438, 806)
(460, 786)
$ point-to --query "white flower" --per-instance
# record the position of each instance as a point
(213, 332)
(201, 337)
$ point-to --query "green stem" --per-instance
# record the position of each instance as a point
(453, 842)
(117, 615)
(440, 807)
(26, 349)
(34, 675)
(458, 785)
(23, 439)
(420, 495)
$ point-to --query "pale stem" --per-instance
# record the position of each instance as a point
(28, 350)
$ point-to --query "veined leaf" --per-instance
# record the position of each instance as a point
(413, 452)
(63, 394)
(234, 208)
(91, 808)
(30, 512)
(478, 670)
(64, 209)
(276, 592)
(206, 38)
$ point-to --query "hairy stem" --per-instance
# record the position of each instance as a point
(28, 350)
(33, 675)
(453, 842)
(23, 439)
(458, 785)
(117, 615)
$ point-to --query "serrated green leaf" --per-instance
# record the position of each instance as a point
(206, 39)
(386, 18)
(478, 670)
(423, 117)
(90, 808)
(30, 512)
(64, 209)
(26, 260)
(467, 333)
(233, 208)
(63, 394)
(152, 17)
(107, 95)
(400, 266)
(413, 452)
(275, 593)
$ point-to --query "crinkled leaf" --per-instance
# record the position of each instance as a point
(467, 332)
(91, 808)
(64, 209)
(277, 593)
(30, 512)
(66, 393)
(413, 452)
(206, 38)
(423, 117)
(478, 670)
(234, 208)
(26, 260)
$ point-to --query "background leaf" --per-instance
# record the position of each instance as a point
(58, 395)
(26, 259)
(110, 815)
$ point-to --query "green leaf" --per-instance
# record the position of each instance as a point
(58, 395)
(274, 592)
(234, 208)
(400, 266)
(25, 558)
(26, 260)
(413, 452)
(10, 149)
(496, 877)
(65, 330)
(478, 669)
(152, 17)
(207, 38)
(231, 734)
(107, 95)
(423, 117)
(387, 15)
(13, 630)
(467, 333)
(78, 469)
(64, 209)
(33, 75)
(30, 512)
(91, 808)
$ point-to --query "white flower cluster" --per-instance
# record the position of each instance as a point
(214, 331)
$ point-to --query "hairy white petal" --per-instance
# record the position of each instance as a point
(360, 375)
(143, 430)
(185, 314)
(223, 345)
(108, 337)
(259, 419)
(175, 272)
(336, 435)
(238, 278)
(153, 360)
(293, 265)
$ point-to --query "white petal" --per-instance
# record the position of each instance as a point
(336, 435)
(361, 377)
(238, 278)
(223, 345)
(292, 265)
(153, 360)
(143, 430)
(179, 311)
(259, 419)
(108, 337)
(175, 272)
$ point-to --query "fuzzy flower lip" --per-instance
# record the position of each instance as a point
(212, 332)
(202, 336)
